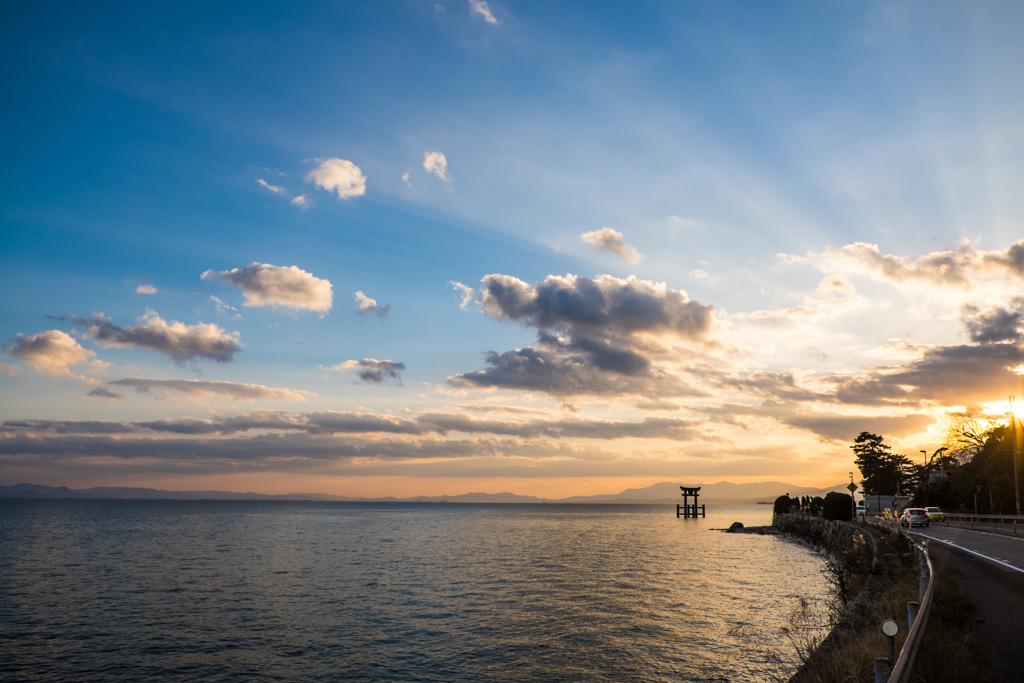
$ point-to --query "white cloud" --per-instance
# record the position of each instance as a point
(405, 177)
(365, 302)
(195, 387)
(372, 370)
(607, 239)
(181, 342)
(958, 269)
(480, 7)
(438, 7)
(145, 289)
(468, 294)
(8, 369)
(698, 274)
(301, 202)
(276, 189)
(339, 176)
(264, 284)
(434, 162)
(223, 307)
(367, 305)
(51, 353)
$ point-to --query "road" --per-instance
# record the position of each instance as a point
(977, 525)
(1006, 551)
(990, 568)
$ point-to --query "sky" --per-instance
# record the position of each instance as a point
(429, 248)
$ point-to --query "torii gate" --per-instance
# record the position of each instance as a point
(686, 510)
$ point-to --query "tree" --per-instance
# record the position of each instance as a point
(782, 505)
(882, 471)
(965, 436)
(838, 506)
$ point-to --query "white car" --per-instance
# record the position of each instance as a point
(912, 517)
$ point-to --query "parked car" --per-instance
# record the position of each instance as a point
(912, 517)
(861, 510)
(935, 515)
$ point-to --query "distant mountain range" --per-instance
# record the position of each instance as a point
(722, 493)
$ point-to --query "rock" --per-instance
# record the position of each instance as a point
(735, 526)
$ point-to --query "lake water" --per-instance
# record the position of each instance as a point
(244, 591)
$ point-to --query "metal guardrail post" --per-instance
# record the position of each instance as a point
(908, 655)
(912, 608)
(882, 671)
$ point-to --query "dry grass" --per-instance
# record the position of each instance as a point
(947, 655)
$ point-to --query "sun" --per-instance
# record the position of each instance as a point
(1005, 407)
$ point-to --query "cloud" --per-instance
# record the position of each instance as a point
(594, 336)
(468, 294)
(996, 324)
(435, 163)
(267, 285)
(145, 289)
(956, 268)
(480, 7)
(405, 179)
(223, 307)
(431, 423)
(368, 306)
(273, 188)
(50, 352)
(829, 426)
(536, 368)
(610, 240)
(69, 427)
(698, 274)
(605, 306)
(8, 369)
(194, 387)
(372, 370)
(301, 202)
(100, 392)
(339, 176)
(183, 343)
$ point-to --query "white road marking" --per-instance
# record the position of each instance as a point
(973, 552)
(986, 533)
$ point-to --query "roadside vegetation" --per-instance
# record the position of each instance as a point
(837, 641)
(975, 464)
(948, 654)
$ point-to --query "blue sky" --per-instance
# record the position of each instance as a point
(738, 153)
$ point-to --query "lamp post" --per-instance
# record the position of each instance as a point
(1013, 441)
(853, 498)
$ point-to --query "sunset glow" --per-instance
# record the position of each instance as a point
(423, 249)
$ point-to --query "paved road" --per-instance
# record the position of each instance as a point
(1005, 527)
(1006, 551)
(990, 569)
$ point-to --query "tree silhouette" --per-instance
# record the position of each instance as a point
(882, 471)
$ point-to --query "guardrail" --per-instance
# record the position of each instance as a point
(917, 620)
(984, 520)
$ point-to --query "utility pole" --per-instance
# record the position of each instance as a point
(1013, 441)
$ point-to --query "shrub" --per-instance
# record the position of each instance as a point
(782, 505)
(838, 506)
(817, 503)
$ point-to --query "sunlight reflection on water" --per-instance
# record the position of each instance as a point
(204, 590)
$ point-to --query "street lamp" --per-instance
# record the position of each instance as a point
(853, 498)
(1013, 442)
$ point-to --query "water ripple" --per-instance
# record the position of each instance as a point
(233, 591)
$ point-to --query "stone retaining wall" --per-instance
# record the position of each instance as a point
(848, 543)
